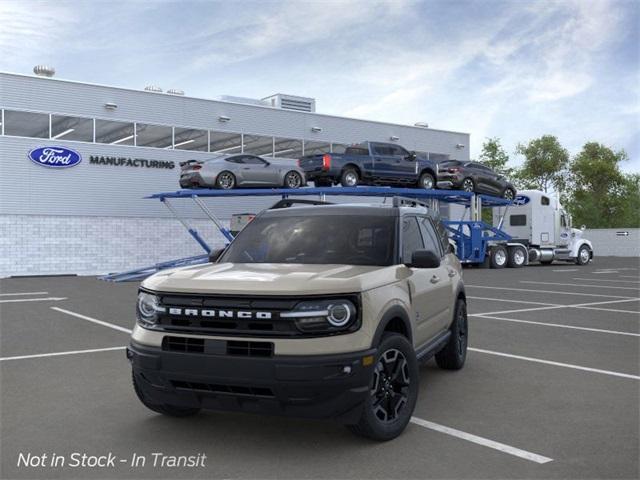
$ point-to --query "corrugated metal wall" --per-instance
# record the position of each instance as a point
(614, 242)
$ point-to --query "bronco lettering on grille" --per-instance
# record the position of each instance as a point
(194, 312)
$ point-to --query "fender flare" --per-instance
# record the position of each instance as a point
(395, 311)
(580, 243)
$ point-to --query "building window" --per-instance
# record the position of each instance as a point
(114, 133)
(258, 145)
(26, 124)
(314, 148)
(190, 139)
(157, 136)
(287, 148)
(71, 128)
(225, 142)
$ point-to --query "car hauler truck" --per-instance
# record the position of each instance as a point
(538, 224)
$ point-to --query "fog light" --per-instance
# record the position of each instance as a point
(368, 360)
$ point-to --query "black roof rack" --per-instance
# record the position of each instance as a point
(290, 202)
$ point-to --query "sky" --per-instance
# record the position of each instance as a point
(509, 69)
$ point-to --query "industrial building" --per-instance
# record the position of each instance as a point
(92, 217)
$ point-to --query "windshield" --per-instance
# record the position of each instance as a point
(316, 239)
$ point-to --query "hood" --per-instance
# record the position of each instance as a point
(272, 279)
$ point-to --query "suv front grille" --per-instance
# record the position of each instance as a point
(224, 389)
(217, 347)
(233, 315)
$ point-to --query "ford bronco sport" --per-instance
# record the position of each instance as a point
(319, 311)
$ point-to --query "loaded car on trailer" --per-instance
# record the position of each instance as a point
(316, 311)
(474, 177)
(371, 163)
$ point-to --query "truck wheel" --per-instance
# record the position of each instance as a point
(226, 180)
(584, 255)
(427, 181)
(393, 390)
(498, 256)
(349, 178)
(169, 410)
(517, 257)
(454, 353)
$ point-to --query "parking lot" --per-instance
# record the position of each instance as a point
(550, 389)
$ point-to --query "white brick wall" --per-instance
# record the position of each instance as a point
(45, 245)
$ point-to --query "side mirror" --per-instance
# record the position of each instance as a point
(424, 259)
(215, 255)
(412, 156)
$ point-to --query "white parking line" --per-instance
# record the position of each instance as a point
(551, 306)
(57, 354)
(549, 291)
(567, 270)
(558, 325)
(20, 300)
(92, 320)
(604, 280)
(514, 301)
(582, 285)
(556, 364)
(628, 276)
(485, 442)
(23, 293)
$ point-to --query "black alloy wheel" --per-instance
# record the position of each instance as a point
(509, 194)
(390, 389)
(454, 354)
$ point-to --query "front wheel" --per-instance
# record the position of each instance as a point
(226, 180)
(454, 353)
(584, 255)
(293, 179)
(509, 194)
(427, 181)
(393, 390)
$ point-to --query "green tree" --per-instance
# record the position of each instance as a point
(494, 156)
(600, 195)
(544, 165)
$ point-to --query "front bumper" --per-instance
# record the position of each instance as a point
(449, 181)
(314, 386)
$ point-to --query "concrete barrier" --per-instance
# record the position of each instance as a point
(614, 242)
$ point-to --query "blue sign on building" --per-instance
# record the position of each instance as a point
(55, 157)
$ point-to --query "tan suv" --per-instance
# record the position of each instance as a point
(319, 311)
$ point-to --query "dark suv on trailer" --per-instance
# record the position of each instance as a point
(474, 177)
(317, 311)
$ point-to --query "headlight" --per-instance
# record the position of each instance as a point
(323, 315)
(147, 309)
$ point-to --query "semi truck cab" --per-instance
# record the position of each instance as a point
(538, 221)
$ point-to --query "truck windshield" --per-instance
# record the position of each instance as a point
(316, 239)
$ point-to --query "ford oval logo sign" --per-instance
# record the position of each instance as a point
(521, 200)
(55, 157)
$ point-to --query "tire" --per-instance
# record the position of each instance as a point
(380, 419)
(225, 180)
(498, 256)
(292, 179)
(584, 255)
(468, 185)
(169, 410)
(349, 178)
(454, 353)
(517, 257)
(508, 194)
(427, 181)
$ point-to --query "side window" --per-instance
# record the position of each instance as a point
(399, 151)
(563, 220)
(411, 238)
(431, 241)
(544, 201)
(251, 160)
(235, 160)
(518, 220)
(443, 233)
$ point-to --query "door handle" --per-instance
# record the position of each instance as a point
(246, 168)
(452, 273)
(435, 279)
